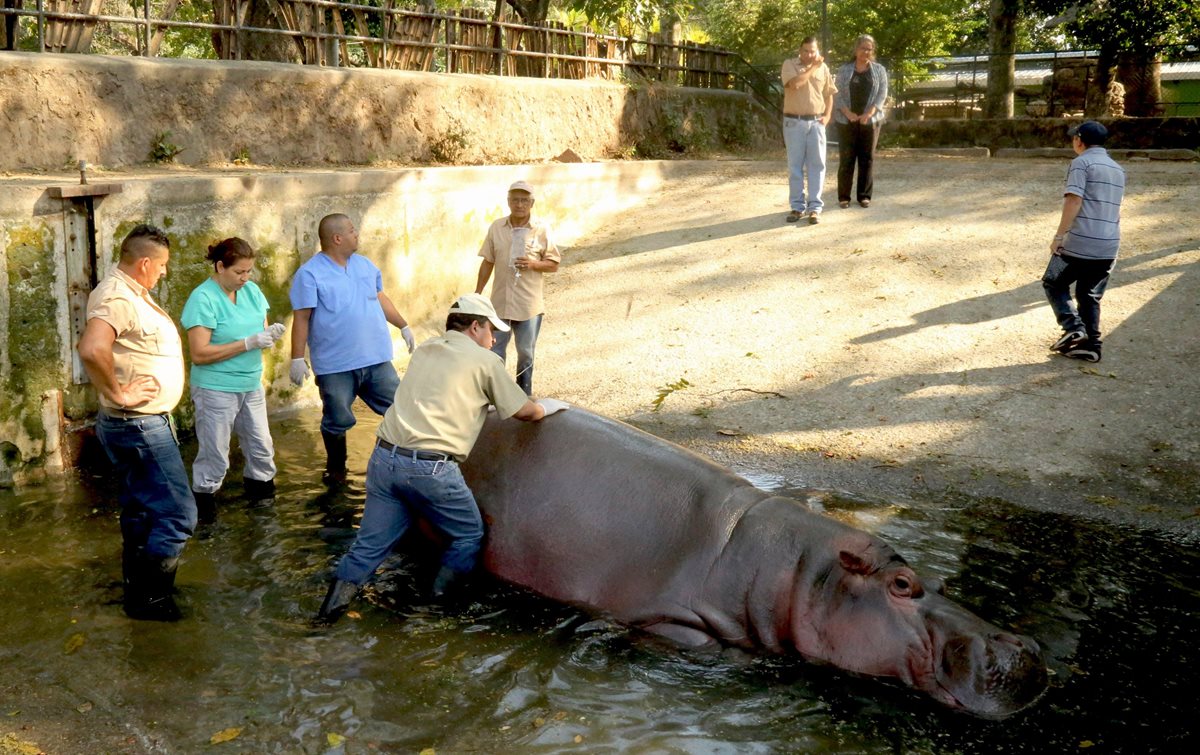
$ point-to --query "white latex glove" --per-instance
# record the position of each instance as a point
(298, 371)
(409, 341)
(553, 405)
(260, 340)
(276, 330)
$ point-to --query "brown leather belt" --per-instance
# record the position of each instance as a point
(801, 117)
(414, 453)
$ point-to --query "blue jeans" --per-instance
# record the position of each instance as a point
(1090, 278)
(158, 512)
(375, 385)
(526, 333)
(398, 487)
(805, 142)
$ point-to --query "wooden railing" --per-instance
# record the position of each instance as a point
(342, 34)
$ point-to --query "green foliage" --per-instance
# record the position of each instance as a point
(162, 150)
(766, 32)
(667, 390)
(453, 142)
(763, 31)
(241, 156)
(1125, 25)
(625, 14)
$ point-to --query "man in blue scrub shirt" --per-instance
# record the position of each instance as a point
(341, 314)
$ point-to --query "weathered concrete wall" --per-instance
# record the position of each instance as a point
(59, 109)
(422, 227)
(1027, 133)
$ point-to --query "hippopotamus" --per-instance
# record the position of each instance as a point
(596, 513)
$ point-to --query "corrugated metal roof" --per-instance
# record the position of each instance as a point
(1032, 77)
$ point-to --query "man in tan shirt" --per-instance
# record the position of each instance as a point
(134, 356)
(439, 409)
(807, 107)
(519, 251)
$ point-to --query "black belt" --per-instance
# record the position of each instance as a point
(801, 117)
(126, 413)
(414, 453)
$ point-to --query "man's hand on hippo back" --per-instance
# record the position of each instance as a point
(553, 405)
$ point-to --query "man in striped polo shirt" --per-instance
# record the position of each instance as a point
(1085, 246)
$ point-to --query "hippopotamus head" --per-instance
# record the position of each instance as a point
(873, 615)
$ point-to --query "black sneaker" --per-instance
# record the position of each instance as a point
(1085, 352)
(1069, 341)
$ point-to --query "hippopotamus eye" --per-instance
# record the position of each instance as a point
(904, 584)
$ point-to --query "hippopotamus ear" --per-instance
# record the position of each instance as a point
(854, 563)
(865, 555)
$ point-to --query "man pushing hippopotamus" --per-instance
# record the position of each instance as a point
(616, 521)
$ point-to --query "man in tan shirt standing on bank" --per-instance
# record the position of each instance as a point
(519, 250)
(134, 357)
(807, 107)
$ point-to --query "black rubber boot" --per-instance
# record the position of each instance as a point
(447, 584)
(150, 589)
(337, 600)
(206, 507)
(259, 490)
(335, 456)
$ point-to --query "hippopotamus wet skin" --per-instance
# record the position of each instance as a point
(591, 511)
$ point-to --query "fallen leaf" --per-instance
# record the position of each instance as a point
(539, 722)
(733, 433)
(578, 739)
(9, 743)
(559, 716)
(334, 740)
(225, 735)
(354, 614)
(73, 643)
(1086, 743)
(84, 708)
(428, 751)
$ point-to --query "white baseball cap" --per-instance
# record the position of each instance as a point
(522, 186)
(476, 304)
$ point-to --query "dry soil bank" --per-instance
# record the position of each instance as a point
(900, 350)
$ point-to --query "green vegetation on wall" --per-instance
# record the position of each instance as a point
(34, 344)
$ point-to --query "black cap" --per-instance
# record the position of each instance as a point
(1090, 133)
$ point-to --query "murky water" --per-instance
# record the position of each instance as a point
(1118, 612)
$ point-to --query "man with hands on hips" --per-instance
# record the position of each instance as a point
(341, 314)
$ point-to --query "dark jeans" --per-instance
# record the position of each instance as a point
(856, 143)
(1090, 278)
(158, 512)
(375, 385)
(399, 487)
(525, 332)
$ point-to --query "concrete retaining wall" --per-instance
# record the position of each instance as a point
(59, 109)
(423, 227)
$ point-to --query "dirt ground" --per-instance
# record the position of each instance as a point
(896, 351)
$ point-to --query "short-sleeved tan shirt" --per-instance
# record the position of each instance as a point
(810, 98)
(147, 342)
(443, 398)
(517, 298)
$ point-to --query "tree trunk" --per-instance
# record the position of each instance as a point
(8, 33)
(531, 11)
(1140, 72)
(1002, 39)
(1098, 105)
(255, 45)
